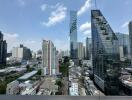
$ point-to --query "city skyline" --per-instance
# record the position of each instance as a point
(40, 19)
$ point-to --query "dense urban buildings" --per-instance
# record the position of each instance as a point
(130, 36)
(97, 65)
(73, 34)
(105, 54)
(21, 53)
(49, 58)
(124, 46)
(3, 50)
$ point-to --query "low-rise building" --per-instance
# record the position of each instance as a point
(12, 88)
(74, 89)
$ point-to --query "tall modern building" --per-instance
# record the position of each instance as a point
(73, 35)
(88, 48)
(80, 50)
(130, 36)
(105, 54)
(3, 50)
(124, 45)
(84, 51)
(49, 58)
(21, 53)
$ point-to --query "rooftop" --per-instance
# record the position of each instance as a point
(27, 75)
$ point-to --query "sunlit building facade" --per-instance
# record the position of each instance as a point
(105, 54)
(73, 34)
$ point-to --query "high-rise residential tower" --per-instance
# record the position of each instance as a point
(73, 34)
(105, 54)
(88, 48)
(49, 58)
(80, 50)
(3, 50)
(130, 36)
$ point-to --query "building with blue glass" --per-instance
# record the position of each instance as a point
(73, 35)
(105, 54)
(124, 45)
(130, 36)
(3, 50)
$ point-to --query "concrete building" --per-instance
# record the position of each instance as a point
(121, 52)
(12, 88)
(21, 52)
(84, 51)
(88, 48)
(130, 36)
(124, 45)
(49, 57)
(74, 90)
(3, 50)
(80, 50)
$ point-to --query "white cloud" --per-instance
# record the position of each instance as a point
(86, 29)
(85, 26)
(43, 7)
(21, 2)
(84, 8)
(87, 32)
(125, 24)
(11, 39)
(56, 16)
(55, 6)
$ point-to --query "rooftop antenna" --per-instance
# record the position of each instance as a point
(95, 4)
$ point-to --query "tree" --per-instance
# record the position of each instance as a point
(39, 72)
(3, 88)
(59, 83)
(66, 59)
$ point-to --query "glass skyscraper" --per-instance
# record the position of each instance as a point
(105, 54)
(73, 34)
(88, 48)
(130, 36)
(3, 50)
(124, 42)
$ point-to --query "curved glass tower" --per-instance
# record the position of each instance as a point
(73, 34)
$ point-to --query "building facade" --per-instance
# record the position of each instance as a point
(87, 49)
(3, 50)
(80, 50)
(12, 88)
(130, 36)
(124, 45)
(105, 54)
(73, 35)
(49, 58)
(21, 52)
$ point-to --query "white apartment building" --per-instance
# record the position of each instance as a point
(21, 53)
(49, 57)
(80, 50)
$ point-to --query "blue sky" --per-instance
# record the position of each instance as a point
(30, 21)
